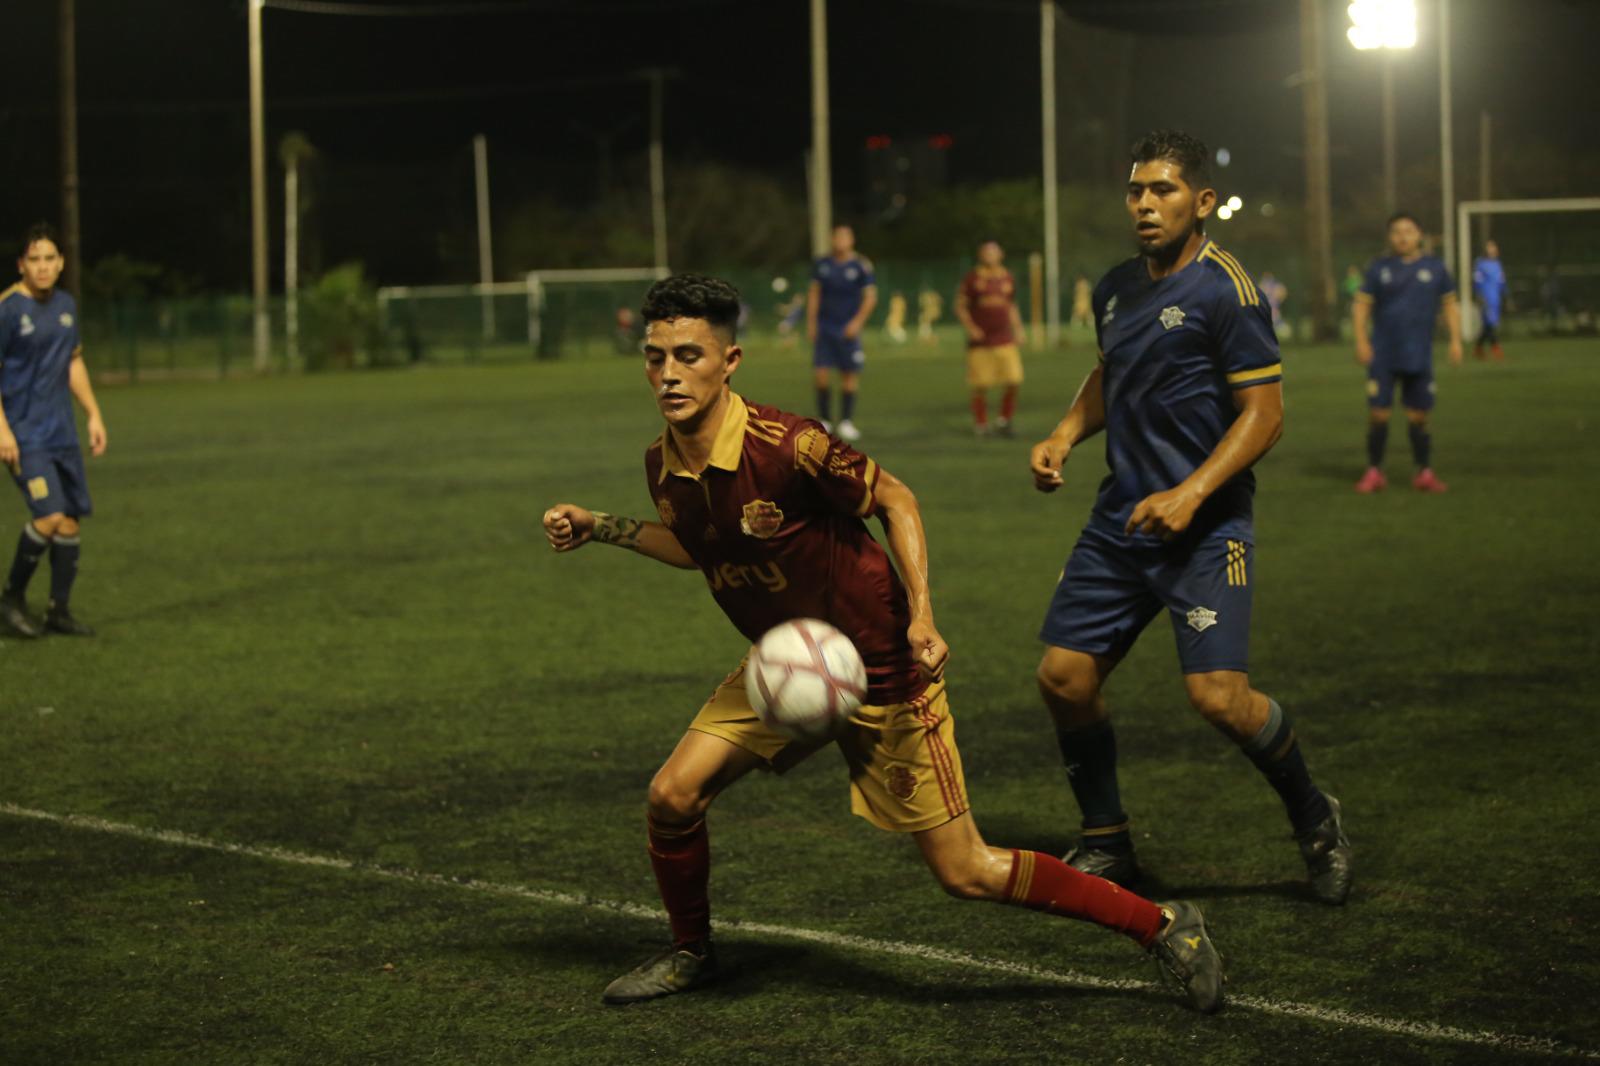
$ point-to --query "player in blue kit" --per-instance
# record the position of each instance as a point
(1401, 297)
(41, 372)
(1188, 390)
(842, 295)
(1489, 286)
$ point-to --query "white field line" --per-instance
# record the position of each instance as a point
(866, 945)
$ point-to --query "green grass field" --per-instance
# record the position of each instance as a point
(330, 630)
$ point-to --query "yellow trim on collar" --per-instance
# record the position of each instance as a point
(725, 450)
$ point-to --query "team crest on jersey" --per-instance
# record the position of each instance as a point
(810, 450)
(761, 520)
(1202, 619)
(1424, 274)
(1171, 316)
(1111, 311)
(1384, 276)
(901, 782)
(26, 328)
(668, 513)
(66, 319)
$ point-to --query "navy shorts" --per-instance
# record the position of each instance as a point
(53, 482)
(1416, 387)
(838, 352)
(1112, 587)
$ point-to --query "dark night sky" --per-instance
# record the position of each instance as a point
(393, 102)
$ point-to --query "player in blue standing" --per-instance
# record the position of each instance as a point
(41, 372)
(1188, 390)
(1401, 297)
(1489, 286)
(842, 295)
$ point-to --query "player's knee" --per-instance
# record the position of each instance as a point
(67, 527)
(1378, 416)
(674, 800)
(1219, 697)
(50, 525)
(1068, 685)
(1416, 418)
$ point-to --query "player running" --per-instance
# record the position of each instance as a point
(771, 509)
(987, 307)
(1489, 286)
(41, 372)
(1188, 390)
(841, 297)
(1401, 297)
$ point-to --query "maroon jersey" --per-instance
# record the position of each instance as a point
(989, 302)
(775, 522)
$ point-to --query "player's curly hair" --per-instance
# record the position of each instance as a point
(39, 231)
(1190, 153)
(693, 296)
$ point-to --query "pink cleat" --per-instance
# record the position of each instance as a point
(1371, 481)
(1428, 481)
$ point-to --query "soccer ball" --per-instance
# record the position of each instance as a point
(805, 679)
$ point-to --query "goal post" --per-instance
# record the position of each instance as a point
(1466, 210)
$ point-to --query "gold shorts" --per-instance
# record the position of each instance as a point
(1000, 365)
(905, 770)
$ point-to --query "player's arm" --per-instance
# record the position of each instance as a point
(1018, 329)
(1452, 325)
(964, 313)
(1253, 433)
(10, 454)
(569, 527)
(908, 547)
(1085, 418)
(83, 392)
(1360, 321)
(869, 300)
(813, 302)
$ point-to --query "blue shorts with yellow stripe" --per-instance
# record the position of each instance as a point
(1113, 586)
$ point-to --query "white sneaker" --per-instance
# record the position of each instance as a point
(827, 427)
(848, 431)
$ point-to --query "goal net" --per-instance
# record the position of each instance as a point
(548, 314)
(1550, 251)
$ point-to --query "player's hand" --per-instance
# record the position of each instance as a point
(1165, 514)
(568, 527)
(97, 436)
(1455, 353)
(811, 332)
(1046, 461)
(10, 454)
(1364, 352)
(852, 330)
(928, 648)
(975, 334)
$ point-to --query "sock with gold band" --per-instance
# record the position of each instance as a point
(681, 859)
(1044, 883)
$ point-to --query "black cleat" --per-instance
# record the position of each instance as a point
(1187, 956)
(663, 974)
(1116, 865)
(1328, 856)
(60, 620)
(14, 618)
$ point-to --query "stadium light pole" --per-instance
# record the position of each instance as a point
(1052, 228)
(70, 219)
(1388, 26)
(658, 180)
(258, 195)
(1447, 159)
(480, 168)
(821, 165)
(1319, 208)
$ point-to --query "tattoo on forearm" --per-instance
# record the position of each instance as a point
(614, 529)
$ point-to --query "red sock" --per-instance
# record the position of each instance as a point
(1008, 403)
(1043, 883)
(681, 858)
(980, 409)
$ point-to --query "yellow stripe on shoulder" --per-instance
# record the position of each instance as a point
(6, 295)
(1210, 253)
(1250, 377)
(1241, 281)
(1250, 286)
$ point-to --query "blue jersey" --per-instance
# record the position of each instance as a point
(1174, 351)
(37, 343)
(844, 286)
(1489, 282)
(1405, 300)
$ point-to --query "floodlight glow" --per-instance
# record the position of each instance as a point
(1224, 212)
(1234, 203)
(1224, 157)
(780, 284)
(1382, 24)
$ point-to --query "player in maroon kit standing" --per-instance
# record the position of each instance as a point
(986, 304)
(770, 509)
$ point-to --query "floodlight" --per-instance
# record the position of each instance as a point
(1234, 203)
(1224, 212)
(1382, 24)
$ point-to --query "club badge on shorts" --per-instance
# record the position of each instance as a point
(1202, 619)
(901, 782)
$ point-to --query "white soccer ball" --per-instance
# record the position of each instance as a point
(805, 679)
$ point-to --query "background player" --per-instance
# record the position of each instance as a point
(41, 372)
(1401, 298)
(1188, 390)
(987, 307)
(1489, 286)
(842, 295)
(770, 508)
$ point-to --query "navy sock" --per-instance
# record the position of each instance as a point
(30, 549)
(63, 569)
(847, 405)
(825, 404)
(1276, 753)
(1377, 439)
(1090, 755)
(1421, 445)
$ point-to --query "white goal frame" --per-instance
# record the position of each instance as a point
(1465, 210)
